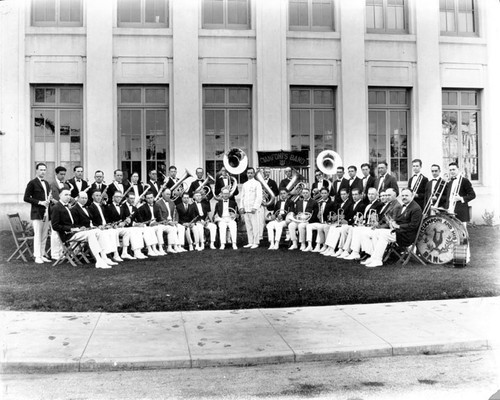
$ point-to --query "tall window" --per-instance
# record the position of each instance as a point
(143, 129)
(311, 15)
(227, 123)
(226, 14)
(388, 119)
(460, 130)
(56, 13)
(386, 16)
(458, 17)
(143, 13)
(56, 123)
(312, 115)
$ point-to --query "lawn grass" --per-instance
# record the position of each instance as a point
(218, 280)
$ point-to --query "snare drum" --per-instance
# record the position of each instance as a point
(441, 237)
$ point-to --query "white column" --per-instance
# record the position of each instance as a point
(426, 142)
(272, 87)
(101, 146)
(186, 138)
(352, 98)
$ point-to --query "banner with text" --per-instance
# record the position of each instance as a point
(282, 159)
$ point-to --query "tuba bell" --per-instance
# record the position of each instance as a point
(328, 161)
(268, 196)
(295, 186)
(235, 161)
(179, 187)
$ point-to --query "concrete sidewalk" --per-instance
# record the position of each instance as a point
(52, 342)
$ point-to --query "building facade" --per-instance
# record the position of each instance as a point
(143, 84)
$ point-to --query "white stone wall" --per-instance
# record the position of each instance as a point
(268, 57)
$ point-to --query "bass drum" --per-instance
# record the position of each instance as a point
(442, 239)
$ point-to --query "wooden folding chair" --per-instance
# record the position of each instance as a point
(21, 238)
(72, 251)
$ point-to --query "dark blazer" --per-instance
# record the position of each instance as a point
(185, 216)
(389, 182)
(95, 216)
(329, 207)
(152, 188)
(356, 208)
(387, 209)
(61, 221)
(144, 213)
(75, 191)
(429, 193)
(467, 192)
(206, 211)
(219, 184)
(93, 188)
(54, 188)
(312, 207)
(289, 205)
(171, 182)
(376, 205)
(219, 206)
(325, 183)
(161, 210)
(33, 194)
(356, 183)
(111, 189)
(195, 185)
(283, 184)
(335, 192)
(80, 216)
(419, 192)
(370, 182)
(409, 222)
(273, 186)
(112, 214)
(125, 213)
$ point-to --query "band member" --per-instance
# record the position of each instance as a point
(77, 182)
(201, 212)
(434, 187)
(55, 188)
(129, 215)
(117, 185)
(286, 180)
(278, 222)
(224, 181)
(137, 187)
(198, 184)
(459, 192)
(338, 184)
(185, 214)
(325, 207)
(172, 176)
(225, 220)
(266, 173)
(303, 205)
(98, 185)
(385, 180)
(354, 181)
(251, 200)
(165, 212)
(146, 215)
(371, 218)
(130, 236)
(37, 193)
(362, 222)
(320, 182)
(344, 211)
(417, 183)
(154, 185)
(63, 223)
(368, 180)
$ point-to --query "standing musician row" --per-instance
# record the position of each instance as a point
(168, 206)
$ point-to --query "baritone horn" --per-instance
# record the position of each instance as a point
(328, 161)
(179, 187)
(268, 196)
(295, 186)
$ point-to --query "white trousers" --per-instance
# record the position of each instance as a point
(274, 230)
(322, 230)
(171, 231)
(381, 239)
(90, 237)
(55, 245)
(225, 223)
(148, 235)
(334, 235)
(359, 234)
(41, 232)
(293, 227)
(252, 225)
(199, 232)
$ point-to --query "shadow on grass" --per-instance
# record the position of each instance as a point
(217, 280)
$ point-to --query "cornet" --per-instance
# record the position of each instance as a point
(358, 219)
(340, 218)
(372, 218)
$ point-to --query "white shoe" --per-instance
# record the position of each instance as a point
(191, 247)
(109, 262)
(117, 259)
(293, 247)
(338, 253)
(254, 246)
(287, 237)
(235, 247)
(302, 247)
(323, 249)
(367, 261)
(271, 246)
(276, 245)
(198, 248)
(212, 245)
(38, 260)
(344, 255)
(374, 263)
(328, 252)
(202, 247)
(180, 249)
(308, 248)
(171, 250)
(101, 264)
(153, 253)
(161, 252)
(222, 247)
(247, 246)
(317, 249)
(127, 256)
(353, 256)
(45, 259)
(139, 256)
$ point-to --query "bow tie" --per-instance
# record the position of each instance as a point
(78, 180)
(434, 179)
(66, 205)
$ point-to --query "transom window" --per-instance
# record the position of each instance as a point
(56, 125)
(310, 15)
(56, 13)
(386, 16)
(143, 13)
(312, 120)
(388, 120)
(460, 126)
(226, 14)
(143, 129)
(227, 123)
(458, 17)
